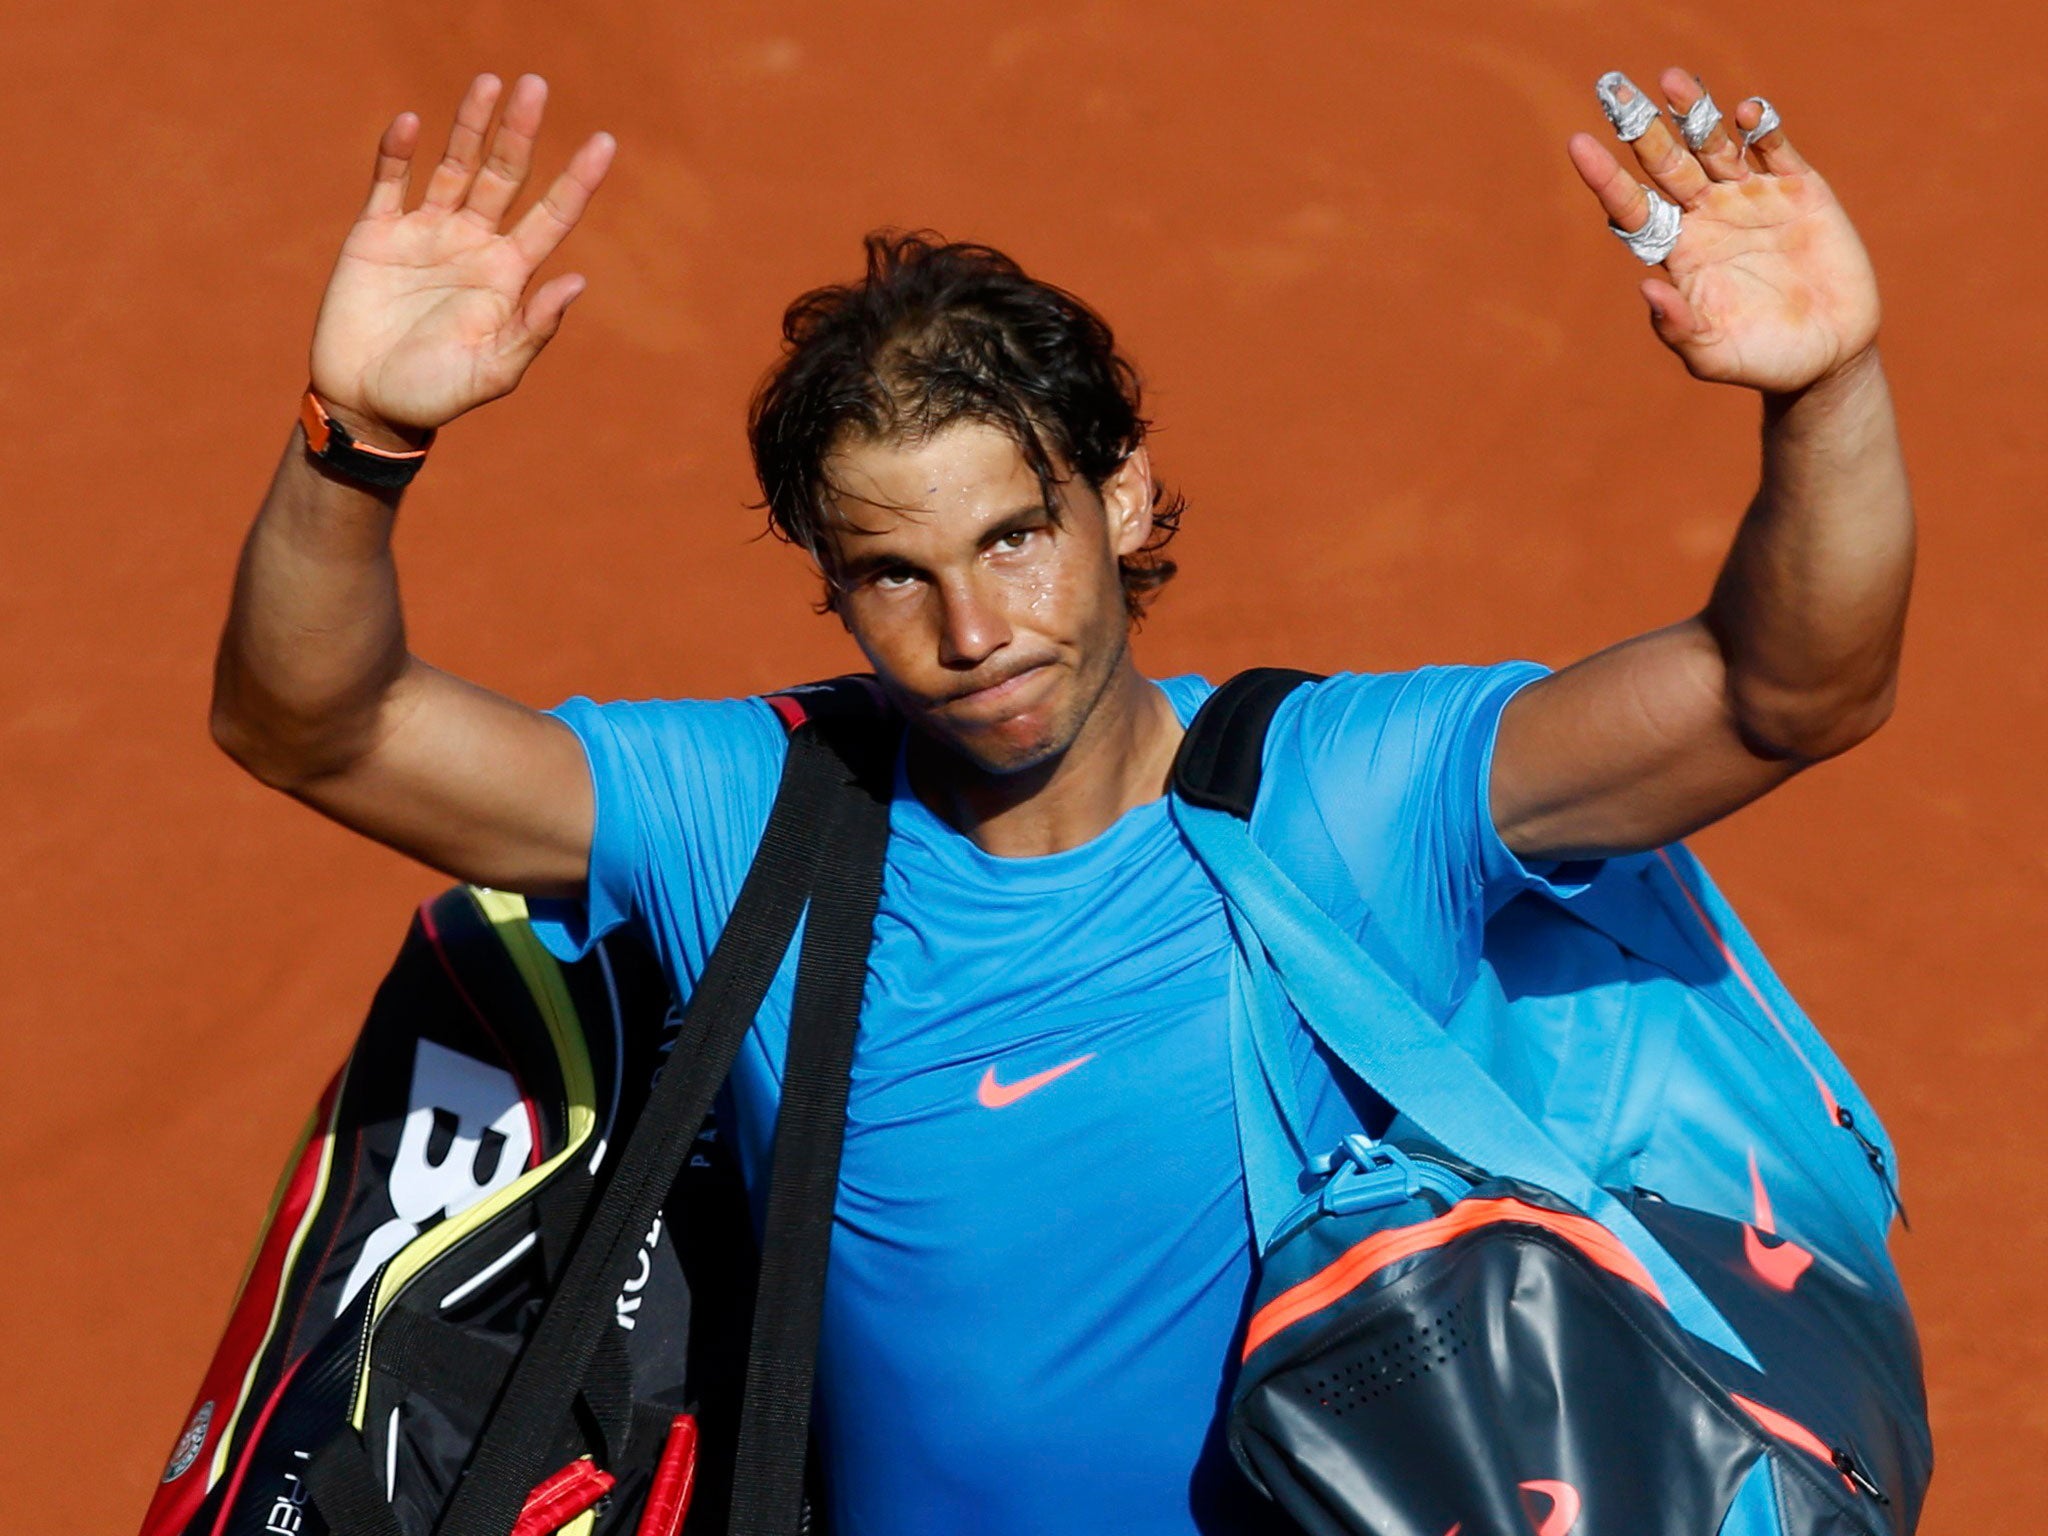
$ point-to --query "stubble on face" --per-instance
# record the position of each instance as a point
(995, 621)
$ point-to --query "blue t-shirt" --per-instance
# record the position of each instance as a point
(1042, 1256)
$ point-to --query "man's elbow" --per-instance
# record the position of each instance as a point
(252, 749)
(277, 753)
(1809, 725)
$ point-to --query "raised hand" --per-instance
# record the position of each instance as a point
(427, 314)
(1768, 285)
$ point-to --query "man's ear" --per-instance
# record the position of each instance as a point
(1127, 502)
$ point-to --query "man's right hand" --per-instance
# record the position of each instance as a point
(315, 690)
(427, 314)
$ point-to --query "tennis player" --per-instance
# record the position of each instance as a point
(1041, 1254)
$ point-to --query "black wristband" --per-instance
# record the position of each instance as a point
(327, 440)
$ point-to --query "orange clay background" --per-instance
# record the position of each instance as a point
(1398, 366)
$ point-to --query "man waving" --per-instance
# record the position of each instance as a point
(1015, 1340)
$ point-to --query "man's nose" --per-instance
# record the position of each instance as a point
(972, 627)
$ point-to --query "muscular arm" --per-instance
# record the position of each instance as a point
(315, 692)
(1795, 656)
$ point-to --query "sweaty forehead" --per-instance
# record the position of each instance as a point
(967, 470)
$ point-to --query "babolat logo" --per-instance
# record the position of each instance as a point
(190, 1444)
(287, 1516)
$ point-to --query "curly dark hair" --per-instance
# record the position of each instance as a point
(938, 332)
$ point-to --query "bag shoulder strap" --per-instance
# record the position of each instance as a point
(1220, 766)
(823, 818)
(853, 703)
(810, 1126)
(1372, 1024)
(1221, 757)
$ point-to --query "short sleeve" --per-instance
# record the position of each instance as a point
(682, 791)
(1377, 800)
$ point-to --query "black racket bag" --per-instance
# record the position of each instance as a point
(508, 1280)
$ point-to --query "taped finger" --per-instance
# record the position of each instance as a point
(1667, 162)
(1768, 141)
(1696, 124)
(1708, 132)
(1658, 236)
(1627, 108)
(1767, 121)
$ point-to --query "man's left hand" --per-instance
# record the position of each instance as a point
(1768, 285)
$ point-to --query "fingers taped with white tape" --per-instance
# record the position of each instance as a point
(1768, 123)
(1659, 234)
(1631, 117)
(1696, 124)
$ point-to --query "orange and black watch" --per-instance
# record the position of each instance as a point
(328, 441)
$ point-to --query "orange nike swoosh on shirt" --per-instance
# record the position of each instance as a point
(994, 1095)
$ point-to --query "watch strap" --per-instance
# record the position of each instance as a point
(328, 441)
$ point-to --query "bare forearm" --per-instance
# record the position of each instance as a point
(431, 312)
(315, 638)
(1795, 656)
(1809, 611)
(1793, 660)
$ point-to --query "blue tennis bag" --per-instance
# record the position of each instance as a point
(1617, 1266)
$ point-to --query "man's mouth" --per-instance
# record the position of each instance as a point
(996, 695)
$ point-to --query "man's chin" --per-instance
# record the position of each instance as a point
(1002, 750)
(1002, 756)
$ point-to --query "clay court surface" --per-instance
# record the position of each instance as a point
(1397, 365)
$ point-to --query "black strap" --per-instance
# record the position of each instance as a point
(558, 1214)
(1221, 757)
(607, 1395)
(417, 1348)
(810, 1126)
(344, 1489)
(512, 1453)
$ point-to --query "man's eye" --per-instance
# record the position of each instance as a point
(1015, 540)
(894, 581)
